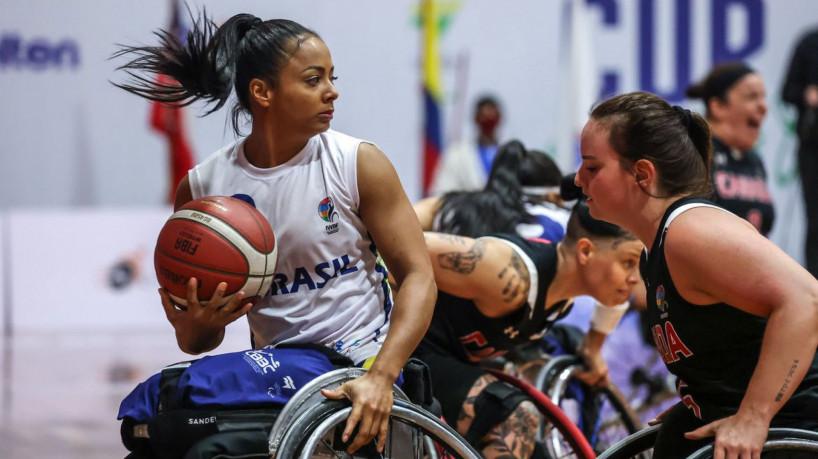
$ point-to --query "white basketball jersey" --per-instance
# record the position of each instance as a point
(330, 285)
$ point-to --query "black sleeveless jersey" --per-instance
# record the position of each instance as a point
(459, 329)
(712, 349)
(740, 186)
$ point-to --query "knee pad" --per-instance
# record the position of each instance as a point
(492, 406)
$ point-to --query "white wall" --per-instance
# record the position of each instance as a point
(70, 138)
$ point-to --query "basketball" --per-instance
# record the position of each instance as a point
(216, 239)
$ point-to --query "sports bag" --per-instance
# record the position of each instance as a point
(164, 416)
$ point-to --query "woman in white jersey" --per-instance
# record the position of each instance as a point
(734, 318)
(335, 202)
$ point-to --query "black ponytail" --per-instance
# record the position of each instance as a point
(497, 208)
(699, 132)
(192, 64)
(213, 61)
(506, 171)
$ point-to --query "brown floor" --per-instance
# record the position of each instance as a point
(60, 392)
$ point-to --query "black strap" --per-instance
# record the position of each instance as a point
(337, 360)
(168, 383)
(494, 404)
(417, 382)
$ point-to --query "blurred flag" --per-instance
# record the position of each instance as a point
(169, 121)
(579, 80)
(432, 91)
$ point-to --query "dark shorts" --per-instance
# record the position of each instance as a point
(672, 444)
(451, 381)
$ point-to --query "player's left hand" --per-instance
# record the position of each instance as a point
(595, 371)
(736, 437)
(371, 397)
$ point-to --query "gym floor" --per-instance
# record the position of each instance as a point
(60, 392)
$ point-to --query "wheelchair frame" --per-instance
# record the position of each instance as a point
(553, 379)
(308, 416)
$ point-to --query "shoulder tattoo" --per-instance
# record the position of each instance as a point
(517, 277)
(463, 262)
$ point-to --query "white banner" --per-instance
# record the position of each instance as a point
(88, 270)
(71, 138)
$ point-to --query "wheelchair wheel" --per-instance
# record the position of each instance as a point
(637, 445)
(780, 440)
(568, 440)
(602, 414)
(413, 432)
(309, 396)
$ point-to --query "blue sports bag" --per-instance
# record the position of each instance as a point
(235, 392)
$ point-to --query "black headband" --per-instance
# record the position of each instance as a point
(717, 85)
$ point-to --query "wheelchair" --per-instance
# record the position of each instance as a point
(783, 440)
(310, 425)
(604, 418)
(598, 416)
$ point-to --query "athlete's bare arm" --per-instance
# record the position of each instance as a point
(763, 281)
(426, 210)
(390, 220)
(484, 270)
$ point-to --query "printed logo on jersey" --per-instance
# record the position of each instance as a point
(669, 343)
(339, 347)
(245, 198)
(326, 210)
(661, 303)
(687, 399)
(477, 347)
(322, 273)
(261, 361)
(511, 332)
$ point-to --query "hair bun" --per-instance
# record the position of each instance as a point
(569, 191)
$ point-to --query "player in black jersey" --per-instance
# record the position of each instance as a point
(735, 318)
(498, 292)
(736, 105)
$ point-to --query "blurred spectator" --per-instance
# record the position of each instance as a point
(801, 90)
(735, 106)
(465, 165)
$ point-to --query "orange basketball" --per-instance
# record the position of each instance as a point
(216, 239)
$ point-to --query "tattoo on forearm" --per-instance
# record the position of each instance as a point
(787, 381)
(517, 276)
(463, 262)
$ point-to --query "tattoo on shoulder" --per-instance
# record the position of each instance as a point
(463, 262)
(453, 238)
(517, 277)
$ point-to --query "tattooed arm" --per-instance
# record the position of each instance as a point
(485, 270)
